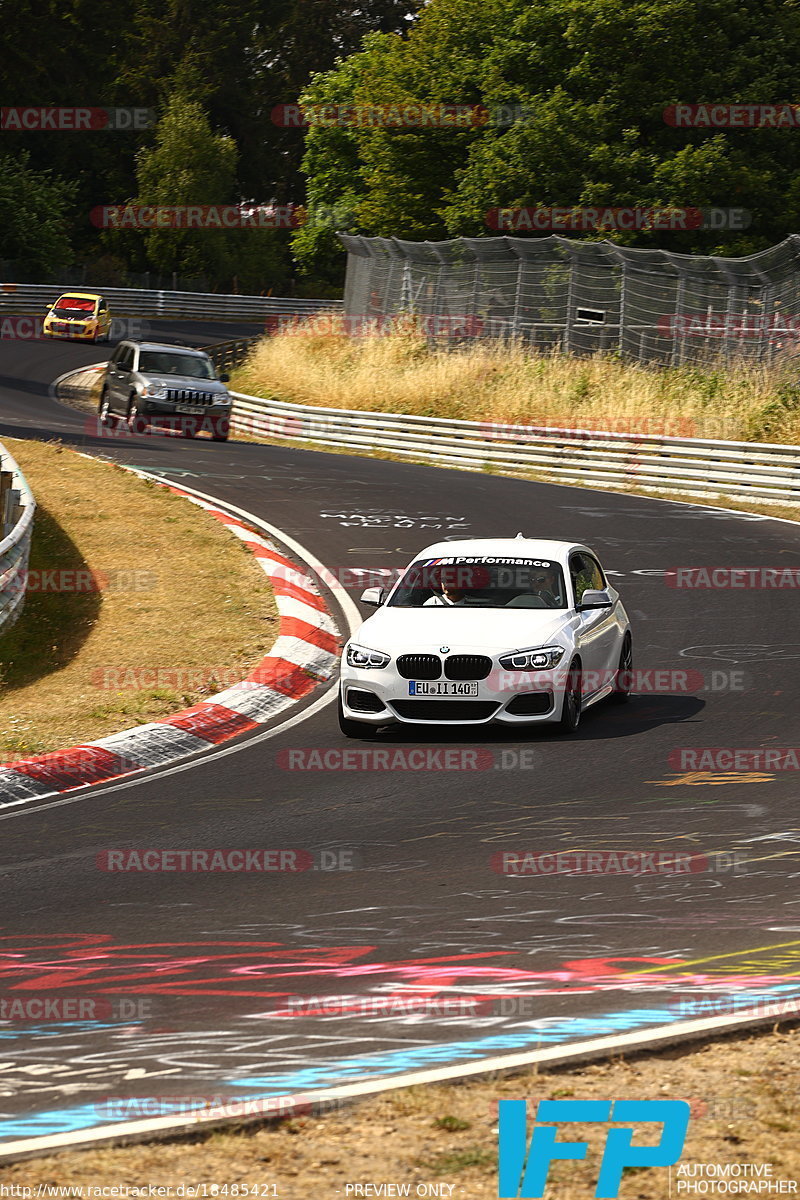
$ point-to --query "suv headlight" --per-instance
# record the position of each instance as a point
(536, 659)
(361, 656)
(156, 393)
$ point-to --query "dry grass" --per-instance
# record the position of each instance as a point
(504, 383)
(201, 607)
(743, 1092)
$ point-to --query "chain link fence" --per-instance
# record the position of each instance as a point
(583, 297)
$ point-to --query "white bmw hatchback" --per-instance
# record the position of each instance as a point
(513, 630)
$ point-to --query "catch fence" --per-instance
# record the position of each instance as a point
(582, 297)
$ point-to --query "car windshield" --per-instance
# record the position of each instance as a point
(73, 306)
(162, 362)
(481, 583)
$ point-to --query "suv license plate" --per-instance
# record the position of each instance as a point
(194, 409)
(442, 688)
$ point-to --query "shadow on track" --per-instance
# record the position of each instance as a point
(599, 723)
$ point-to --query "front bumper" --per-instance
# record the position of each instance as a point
(59, 329)
(381, 697)
(165, 414)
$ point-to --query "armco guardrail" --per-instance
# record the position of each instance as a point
(227, 355)
(135, 302)
(17, 508)
(739, 470)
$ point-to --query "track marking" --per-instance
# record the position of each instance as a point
(694, 962)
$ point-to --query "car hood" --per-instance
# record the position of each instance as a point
(397, 630)
(182, 381)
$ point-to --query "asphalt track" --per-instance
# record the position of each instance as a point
(432, 955)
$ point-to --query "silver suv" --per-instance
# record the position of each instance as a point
(174, 387)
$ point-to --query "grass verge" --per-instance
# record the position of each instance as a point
(742, 1090)
(506, 384)
(181, 612)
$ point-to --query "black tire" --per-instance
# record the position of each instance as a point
(571, 706)
(220, 430)
(622, 687)
(353, 729)
(136, 422)
(104, 408)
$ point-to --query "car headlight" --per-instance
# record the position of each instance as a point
(361, 656)
(157, 393)
(536, 659)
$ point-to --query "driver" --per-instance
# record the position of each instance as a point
(543, 583)
(449, 596)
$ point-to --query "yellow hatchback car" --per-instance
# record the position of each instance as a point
(80, 315)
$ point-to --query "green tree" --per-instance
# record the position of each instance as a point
(189, 164)
(594, 78)
(33, 217)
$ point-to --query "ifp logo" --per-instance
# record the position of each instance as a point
(523, 1171)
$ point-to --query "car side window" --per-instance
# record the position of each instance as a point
(575, 574)
(597, 576)
(585, 573)
(126, 357)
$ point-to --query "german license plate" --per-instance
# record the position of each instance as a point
(194, 409)
(441, 688)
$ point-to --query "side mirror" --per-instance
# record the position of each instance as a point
(48, 306)
(594, 599)
(225, 377)
(123, 367)
(373, 596)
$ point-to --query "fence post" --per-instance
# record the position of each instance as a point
(566, 338)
